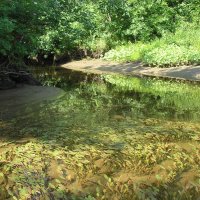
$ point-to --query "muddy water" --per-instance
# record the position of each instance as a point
(94, 144)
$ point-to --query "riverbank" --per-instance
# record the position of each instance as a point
(98, 66)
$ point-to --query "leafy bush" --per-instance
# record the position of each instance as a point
(125, 53)
(180, 48)
(169, 55)
(18, 36)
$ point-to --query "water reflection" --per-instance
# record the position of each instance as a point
(94, 142)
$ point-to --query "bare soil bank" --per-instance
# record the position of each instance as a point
(190, 73)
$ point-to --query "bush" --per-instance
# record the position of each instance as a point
(125, 53)
(170, 55)
(180, 48)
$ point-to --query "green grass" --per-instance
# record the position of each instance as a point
(181, 48)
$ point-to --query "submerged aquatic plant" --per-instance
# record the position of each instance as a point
(114, 140)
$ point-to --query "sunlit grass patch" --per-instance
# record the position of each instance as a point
(173, 49)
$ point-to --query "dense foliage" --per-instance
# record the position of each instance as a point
(21, 23)
(64, 27)
(179, 48)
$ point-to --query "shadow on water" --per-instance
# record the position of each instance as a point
(101, 142)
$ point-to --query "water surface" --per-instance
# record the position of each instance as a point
(102, 142)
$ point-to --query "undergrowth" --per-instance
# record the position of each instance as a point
(180, 48)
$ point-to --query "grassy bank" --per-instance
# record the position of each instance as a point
(181, 48)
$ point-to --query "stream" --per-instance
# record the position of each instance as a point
(103, 138)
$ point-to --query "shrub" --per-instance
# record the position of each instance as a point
(125, 53)
(182, 47)
(169, 55)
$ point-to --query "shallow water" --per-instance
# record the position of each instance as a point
(94, 143)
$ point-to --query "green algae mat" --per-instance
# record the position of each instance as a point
(119, 139)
